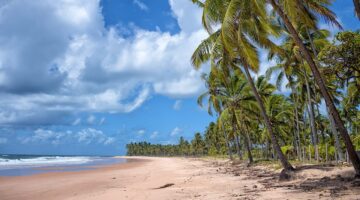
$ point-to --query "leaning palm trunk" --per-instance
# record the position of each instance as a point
(248, 147)
(332, 122)
(357, 7)
(336, 137)
(320, 82)
(285, 163)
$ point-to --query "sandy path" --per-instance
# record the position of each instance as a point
(192, 179)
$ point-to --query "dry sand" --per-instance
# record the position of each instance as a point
(183, 178)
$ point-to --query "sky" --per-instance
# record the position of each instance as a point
(86, 77)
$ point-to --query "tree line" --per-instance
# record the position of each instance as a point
(196, 147)
(256, 119)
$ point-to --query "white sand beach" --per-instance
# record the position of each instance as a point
(182, 178)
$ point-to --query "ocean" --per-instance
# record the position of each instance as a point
(21, 165)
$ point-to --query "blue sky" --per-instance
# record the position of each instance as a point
(89, 76)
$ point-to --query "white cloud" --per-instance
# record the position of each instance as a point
(187, 14)
(81, 66)
(175, 131)
(177, 105)
(90, 135)
(141, 5)
(45, 136)
(84, 136)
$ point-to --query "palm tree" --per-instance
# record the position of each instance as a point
(213, 139)
(213, 102)
(198, 145)
(238, 102)
(280, 114)
(302, 8)
(235, 45)
(315, 41)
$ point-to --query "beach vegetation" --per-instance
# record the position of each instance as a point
(306, 106)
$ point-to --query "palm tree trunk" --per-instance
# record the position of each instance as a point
(236, 137)
(267, 147)
(312, 117)
(227, 142)
(357, 7)
(332, 123)
(298, 140)
(238, 149)
(320, 82)
(339, 152)
(285, 163)
(248, 146)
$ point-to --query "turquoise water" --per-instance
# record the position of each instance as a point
(22, 165)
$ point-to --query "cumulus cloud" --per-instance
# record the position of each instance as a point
(45, 136)
(90, 135)
(187, 15)
(57, 58)
(84, 136)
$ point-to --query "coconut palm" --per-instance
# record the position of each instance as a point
(238, 47)
(239, 105)
(244, 20)
(280, 113)
(304, 8)
(213, 103)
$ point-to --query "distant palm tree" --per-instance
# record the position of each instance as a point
(198, 145)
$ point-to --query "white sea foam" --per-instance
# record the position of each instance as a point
(43, 161)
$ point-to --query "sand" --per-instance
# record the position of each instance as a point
(183, 178)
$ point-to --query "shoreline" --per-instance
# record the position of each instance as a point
(128, 164)
(181, 178)
(40, 165)
(61, 185)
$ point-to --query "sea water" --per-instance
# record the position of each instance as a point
(20, 165)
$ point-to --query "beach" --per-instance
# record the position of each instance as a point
(182, 178)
